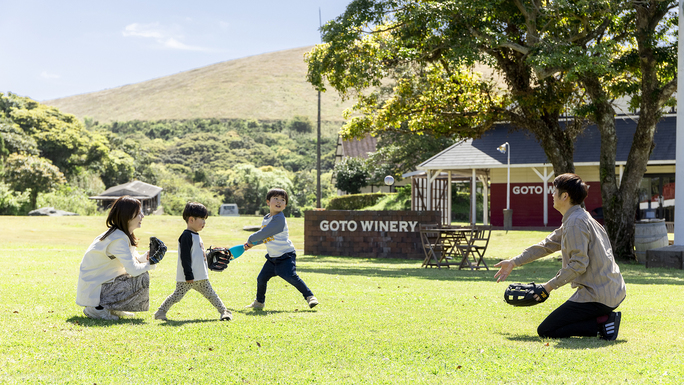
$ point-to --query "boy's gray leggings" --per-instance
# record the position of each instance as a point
(202, 286)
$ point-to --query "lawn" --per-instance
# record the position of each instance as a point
(380, 321)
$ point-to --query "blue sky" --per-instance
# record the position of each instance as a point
(53, 49)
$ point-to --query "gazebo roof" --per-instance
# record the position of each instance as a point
(135, 189)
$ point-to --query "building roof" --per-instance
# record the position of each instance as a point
(355, 148)
(135, 189)
(525, 150)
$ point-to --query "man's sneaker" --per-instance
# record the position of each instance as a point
(226, 316)
(256, 305)
(312, 301)
(160, 314)
(609, 330)
(92, 312)
(121, 313)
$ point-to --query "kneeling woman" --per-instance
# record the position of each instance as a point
(113, 279)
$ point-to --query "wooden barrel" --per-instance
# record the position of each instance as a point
(649, 234)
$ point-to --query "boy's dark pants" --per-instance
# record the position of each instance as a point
(573, 319)
(284, 267)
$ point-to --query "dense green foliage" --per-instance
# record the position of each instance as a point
(401, 200)
(48, 158)
(234, 161)
(43, 148)
(351, 175)
(355, 201)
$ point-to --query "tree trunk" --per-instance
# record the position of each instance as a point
(620, 201)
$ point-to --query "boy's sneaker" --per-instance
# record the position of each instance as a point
(226, 316)
(312, 301)
(609, 330)
(121, 313)
(256, 305)
(160, 314)
(93, 313)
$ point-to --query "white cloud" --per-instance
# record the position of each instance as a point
(144, 30)
(47, 75)
(175, 44)
(165, 37)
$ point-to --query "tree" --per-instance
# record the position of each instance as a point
(556, 58)
(14, 140)
(45, 131)
(247, 186)
(351, 175)
(27, 172)
(645, 71)
(399, 153)
(117, 169)
(409, 64)
(300, 124)
(634, 56)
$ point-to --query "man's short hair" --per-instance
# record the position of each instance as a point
(573, 185)
(277, 192)
(194, 209)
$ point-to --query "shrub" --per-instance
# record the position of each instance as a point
(13, 202)
(70, 199)
(354, 201)
(401, 200)
(351, 175)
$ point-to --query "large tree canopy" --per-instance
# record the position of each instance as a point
(409, 64)
(24, 173)
(29, 127)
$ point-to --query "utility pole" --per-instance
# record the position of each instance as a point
(318, 141)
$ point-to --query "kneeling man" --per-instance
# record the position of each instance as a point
(588, 265)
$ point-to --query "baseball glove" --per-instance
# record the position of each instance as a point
(518, 294)
(218, 258)
(157, 250)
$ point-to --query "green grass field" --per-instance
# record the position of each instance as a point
(380, 321)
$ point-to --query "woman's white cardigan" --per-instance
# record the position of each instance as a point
(97, 267)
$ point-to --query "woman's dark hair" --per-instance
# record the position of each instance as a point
(123, 210)
(573, 185)
(194, 209)
(277, 192)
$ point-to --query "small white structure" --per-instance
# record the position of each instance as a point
(229, 210)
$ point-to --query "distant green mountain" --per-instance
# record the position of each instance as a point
(264, 87)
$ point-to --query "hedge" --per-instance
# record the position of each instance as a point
(354, 201)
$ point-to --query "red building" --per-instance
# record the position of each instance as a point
(480, 163)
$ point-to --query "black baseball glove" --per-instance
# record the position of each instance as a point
(518, 294)
(157, 250)
(218, 258)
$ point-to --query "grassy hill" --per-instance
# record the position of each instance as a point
(268, 86)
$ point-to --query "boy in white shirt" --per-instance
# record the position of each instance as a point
(192, 271)
(281, 257)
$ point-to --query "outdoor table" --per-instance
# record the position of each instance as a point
(441, 244)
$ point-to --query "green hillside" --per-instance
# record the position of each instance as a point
(270, 86)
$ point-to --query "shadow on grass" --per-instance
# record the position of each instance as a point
(85, 321)
(177, 323)
(400, 268)
(537, 271)
(263, 313)
(583, 343)
(574, 343)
